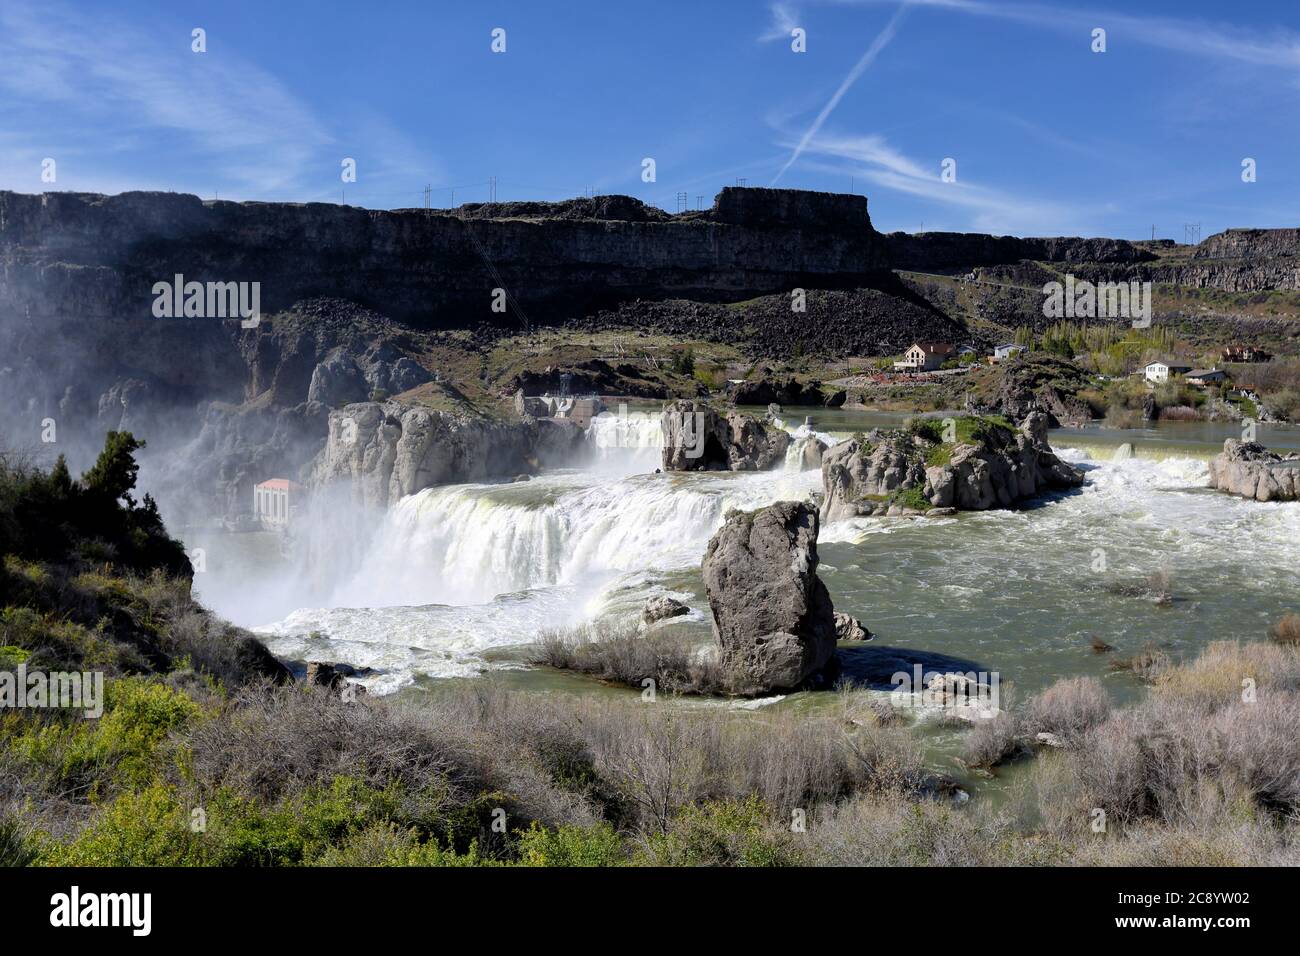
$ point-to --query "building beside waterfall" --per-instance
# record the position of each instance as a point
(275, 501)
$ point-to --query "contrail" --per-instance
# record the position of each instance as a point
(878, 44)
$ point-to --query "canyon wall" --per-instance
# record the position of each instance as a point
(99, 256)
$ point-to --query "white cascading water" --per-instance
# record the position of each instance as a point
(455, 571)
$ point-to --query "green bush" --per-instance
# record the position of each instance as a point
(122, 746)
(571, 846)
(145, 828)
(723, 833)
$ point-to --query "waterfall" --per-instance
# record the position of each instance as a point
(626, 442)
(466, 544)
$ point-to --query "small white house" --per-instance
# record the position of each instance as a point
(1003, 352)
(275, 500)
(1160, 371)
(925, 357)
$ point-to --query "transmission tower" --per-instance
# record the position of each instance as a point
(1192, 233)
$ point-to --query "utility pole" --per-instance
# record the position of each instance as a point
(742, 181)
(1192, 233)
(699, 201)
(492, 189)
(428, 193)
(681, 202)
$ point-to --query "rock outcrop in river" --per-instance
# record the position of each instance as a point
(1252, 471)
(697, 437)
(388, 450)
(772, 615)
(967, 463)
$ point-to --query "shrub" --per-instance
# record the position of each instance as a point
(566, 845)
(1068, 708)
(723, 833)
(1286, 630)
(15, 847)
(628, 656)
(145, 828)
(1119, 417)
(993, 741)
(121, 748)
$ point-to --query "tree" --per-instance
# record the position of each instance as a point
(115, 471)
(61, 479)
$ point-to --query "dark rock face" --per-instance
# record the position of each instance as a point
(99, 256)
(696, 437)
(790, 209)
(877, 315)
(333, 677)
(947, 251)
(591, 376)
(777, 391)
(772, 615)
(1252, 471)
(337, 381)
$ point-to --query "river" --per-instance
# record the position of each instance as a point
(458, 578)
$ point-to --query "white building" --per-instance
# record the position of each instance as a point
(1002, 352)
(275, 500)
(925, 357)
(1160, 371)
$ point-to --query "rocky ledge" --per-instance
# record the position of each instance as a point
(1252, 471)
(697, 437)
(967, 463)
(388, 450)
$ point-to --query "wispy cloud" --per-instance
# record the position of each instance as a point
(106, 100)
(879, 43)
(1280, 48)
(117, 82)
(784, 20)
(872, 159)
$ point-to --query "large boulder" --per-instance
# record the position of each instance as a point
(772, 615)
(849, 628)
(696, 437)
(1252, 471)
(992, 466)
(859, 474)
(662, 608)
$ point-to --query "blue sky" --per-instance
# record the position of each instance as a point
(1049, 138)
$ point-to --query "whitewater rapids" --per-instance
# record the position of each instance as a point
(456, 571)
